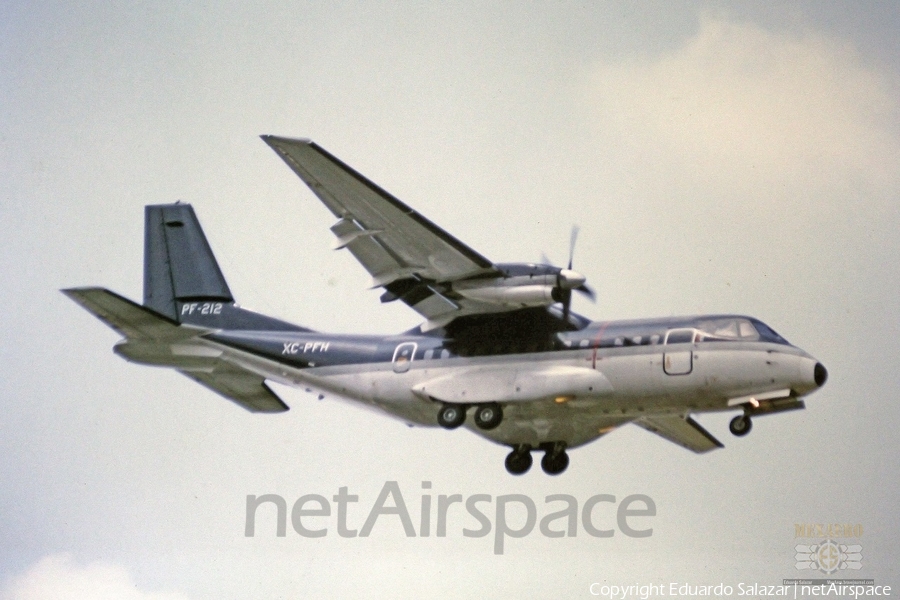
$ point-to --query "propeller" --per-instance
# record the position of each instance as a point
(568, 280)
(573, 237)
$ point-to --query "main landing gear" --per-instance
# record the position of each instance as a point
(740, 425)
(519, 460)
(554, 462)
(487, 416)
(451, 416)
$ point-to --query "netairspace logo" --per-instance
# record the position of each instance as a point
(313, 516)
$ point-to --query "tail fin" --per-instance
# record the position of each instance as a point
(182, 279)
(179, 265)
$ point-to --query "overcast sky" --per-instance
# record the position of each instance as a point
(718, 157)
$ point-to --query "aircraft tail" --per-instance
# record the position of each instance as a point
(183, 281)
(179, 265)
(183, 285)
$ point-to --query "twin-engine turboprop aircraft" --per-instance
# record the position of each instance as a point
(499, 352)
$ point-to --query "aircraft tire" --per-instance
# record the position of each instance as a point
(451, 416)
(740, 425)
(519, 461)
(488, 416)
(555, 463)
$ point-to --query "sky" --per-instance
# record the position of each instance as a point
(718, 157)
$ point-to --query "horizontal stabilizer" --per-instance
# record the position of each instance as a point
(126, 317)
(155, 339)
(681, 430)
(242, 387)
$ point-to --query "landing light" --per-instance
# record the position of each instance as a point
(563, 399)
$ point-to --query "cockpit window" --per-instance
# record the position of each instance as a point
(768, 334)
(727, 329)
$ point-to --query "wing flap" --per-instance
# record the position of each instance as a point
(244, 388)
(681, 430)
(371, 254)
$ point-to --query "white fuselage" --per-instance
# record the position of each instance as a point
(618, 384)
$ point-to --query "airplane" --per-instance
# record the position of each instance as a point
(499, 351)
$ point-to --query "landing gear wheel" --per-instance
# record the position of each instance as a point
(451, 416)
(555, 463)
(741, 425)
(488, 416)
(519, 460)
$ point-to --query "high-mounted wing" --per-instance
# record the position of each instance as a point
(402, 250)
(681, 430)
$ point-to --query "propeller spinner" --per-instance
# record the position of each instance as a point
(568, 280)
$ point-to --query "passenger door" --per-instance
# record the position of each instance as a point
(680, 360)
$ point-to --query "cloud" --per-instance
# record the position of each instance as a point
(58, 577)
(735, 99)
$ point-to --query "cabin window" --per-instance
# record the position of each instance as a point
(680, 336)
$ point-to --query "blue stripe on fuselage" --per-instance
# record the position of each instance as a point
(301, 349)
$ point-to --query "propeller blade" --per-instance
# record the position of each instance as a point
(587, 291)
(567, 279)
(572, 239)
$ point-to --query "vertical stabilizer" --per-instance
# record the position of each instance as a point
(178, 263)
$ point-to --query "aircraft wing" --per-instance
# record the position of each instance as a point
(681, 430)
(402, 250)
(156, 339)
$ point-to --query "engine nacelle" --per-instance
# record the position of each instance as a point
(515, 295)
(522, 285)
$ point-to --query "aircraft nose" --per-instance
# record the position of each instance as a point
(570, 279)
(820, 374)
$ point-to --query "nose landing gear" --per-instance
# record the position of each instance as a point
(740, 425)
